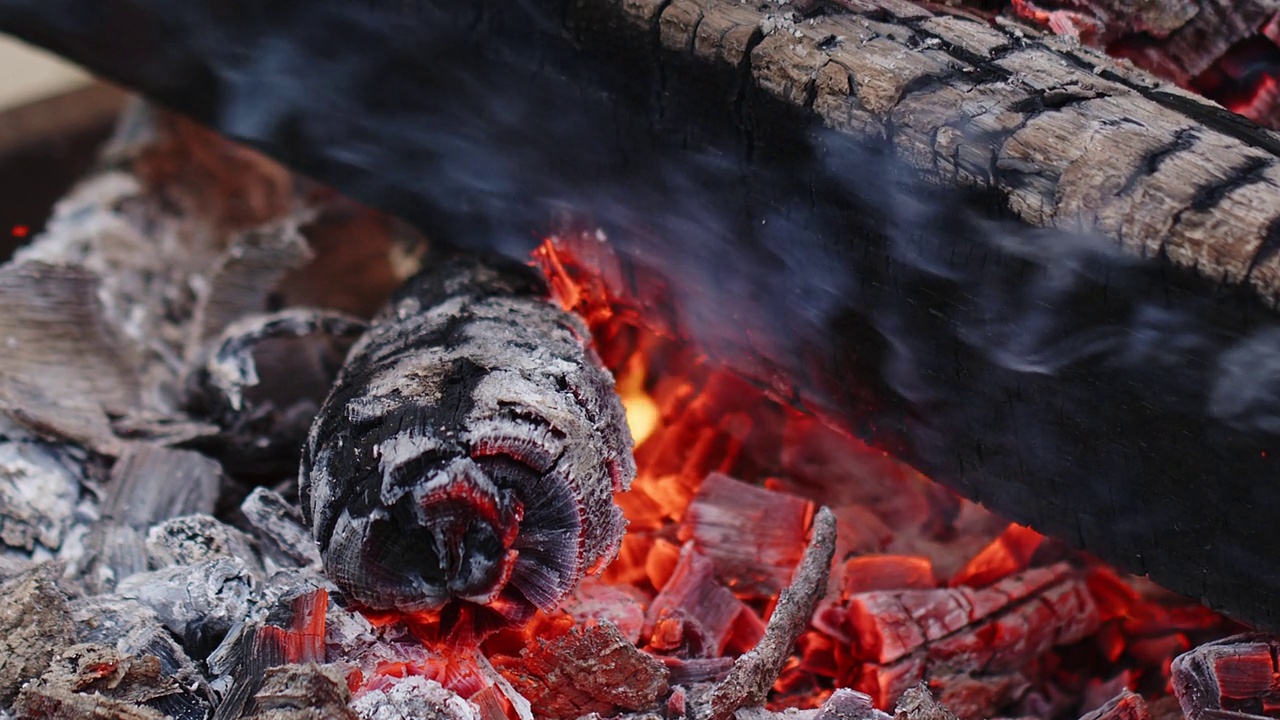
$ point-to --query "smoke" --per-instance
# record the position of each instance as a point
(1087, 392)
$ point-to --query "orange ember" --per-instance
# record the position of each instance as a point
(925, 586)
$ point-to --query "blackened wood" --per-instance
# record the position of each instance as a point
(464, 463)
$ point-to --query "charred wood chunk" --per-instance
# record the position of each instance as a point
(756, 671)
(96, 681)
(591, 669)
(949, 636)
(754, 536)
(846, 704)
(303, 692)
(1128, 705)
(277, 526)
(464, 465)
(1233, 677)
(696, 616)
(39, 489)
(35, 625)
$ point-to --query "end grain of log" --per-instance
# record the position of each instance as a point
(464, 464)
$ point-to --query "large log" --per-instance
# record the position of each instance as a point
(1114, 388)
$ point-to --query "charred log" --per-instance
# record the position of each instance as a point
(464, 464)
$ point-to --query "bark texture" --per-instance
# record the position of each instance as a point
(1068, 137)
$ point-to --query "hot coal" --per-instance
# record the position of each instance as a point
(754, 673)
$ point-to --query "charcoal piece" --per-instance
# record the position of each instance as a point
(755, 672)
(263, 381)
(972, 695)
(35, 625)
(193, 539)
(466, 460)
(846, 704)
(198, 603)
(695, 615)
(917, 703)
(903, 637)
(1225, 677)
(39, 704)
(241, 661)
(682, 671)
(64, 368)
(278, 527)
(595, 599)
(754, 536)
(592, 668)
(243, 278)
(150, 484)
(110, 553)
(414, 698)
(95, 681)
(868, 573)
(12, 564)
(133, 630)
(1128, 705)
(303, 692)
(39, 489)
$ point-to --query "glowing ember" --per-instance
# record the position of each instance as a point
(926, 587)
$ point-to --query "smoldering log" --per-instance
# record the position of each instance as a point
(1054, 379)
(464, 463)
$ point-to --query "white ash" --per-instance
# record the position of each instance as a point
(38, 496)
(414, 698)
(204, 599)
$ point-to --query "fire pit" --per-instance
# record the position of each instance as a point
(806, 323)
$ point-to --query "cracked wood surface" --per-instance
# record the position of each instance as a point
(1068, 137)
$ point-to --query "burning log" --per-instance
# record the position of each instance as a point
(465, 462)
(1225, 50)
